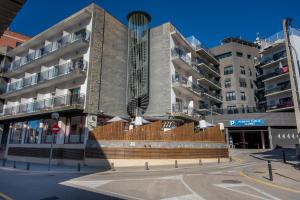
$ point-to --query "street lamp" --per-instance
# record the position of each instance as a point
(55, 117)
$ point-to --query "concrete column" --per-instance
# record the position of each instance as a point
(243, 139)
(24, 131)
(262, 139)
(8, 139)
(270, 137)
(227, 136)
(41, 126)
(60, 137)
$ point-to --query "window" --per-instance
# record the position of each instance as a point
(243, 82)
(249, 56)
(228, 70)
(227, 83)
(232, 109)
(243, 96)
(47, 133)
(251, 83)
(16, 134)
(32, 132)
(224, 55)
(76, 134)
(243, 71)
(250, 72)
(239, 54)
(230, 96)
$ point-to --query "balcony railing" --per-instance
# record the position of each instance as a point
(179, 53)
(279, 88)
(54, 46)
(56, 71)
(280, 105)
(275, 57)
(184, 109)
(45, 104)
(194, 87)
(276, 72)
(276, 38)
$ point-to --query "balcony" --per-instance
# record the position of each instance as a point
(209, 69)
(202, 50)
(208, 110)
(210, 81)
(57, 75)
(279, 89)
(269, 61)
(186, 86)
(212, 96)
(185, 111)
(53, 104)
(65, 45)
(284, 106)
(277, 73)
(183, 62)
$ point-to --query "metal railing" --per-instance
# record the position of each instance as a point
(179, 53)
(278, 88)
(276, 38)
(184, 109)
(280, 105)
(194, 87)
(62, 42)
(276, 72)
(275, 57)
(196, 45)
(45, 104)
(56, 71)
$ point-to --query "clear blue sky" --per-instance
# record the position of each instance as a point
(209, 20)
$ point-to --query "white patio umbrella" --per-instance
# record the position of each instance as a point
(116, 119)
(204, 124)
(143, 121)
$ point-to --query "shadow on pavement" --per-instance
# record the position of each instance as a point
(277, 155)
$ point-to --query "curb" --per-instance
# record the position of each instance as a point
(269, 184)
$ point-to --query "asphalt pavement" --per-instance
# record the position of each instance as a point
(241, 179)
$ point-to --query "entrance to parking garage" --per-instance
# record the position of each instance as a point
(256, 138)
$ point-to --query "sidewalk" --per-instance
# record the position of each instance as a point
(35, 167)
(284, 175)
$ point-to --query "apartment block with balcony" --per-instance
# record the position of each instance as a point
(273, 75)
(184, 76)
(237, 59)
(63, 69)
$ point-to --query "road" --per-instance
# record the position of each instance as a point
(209, 181)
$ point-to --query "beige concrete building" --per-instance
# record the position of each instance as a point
(237, 65)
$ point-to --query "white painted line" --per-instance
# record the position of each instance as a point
(196, 196)
(235, 186)
(183, 197)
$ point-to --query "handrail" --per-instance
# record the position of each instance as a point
(30, 57)
(44, 104)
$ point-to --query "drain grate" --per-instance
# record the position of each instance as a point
(50, 198)
(232, 181)
(259, 172)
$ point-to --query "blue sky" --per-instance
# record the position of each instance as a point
(210, 21)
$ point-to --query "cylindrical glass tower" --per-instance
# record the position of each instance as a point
(138, 63)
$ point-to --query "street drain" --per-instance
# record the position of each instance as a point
(50, 198)
(232, 181)
(259, 172)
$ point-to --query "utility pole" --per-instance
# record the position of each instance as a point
(286, 23)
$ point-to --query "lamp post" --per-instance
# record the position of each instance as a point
(55, 117)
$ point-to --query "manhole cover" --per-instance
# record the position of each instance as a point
(232, 181)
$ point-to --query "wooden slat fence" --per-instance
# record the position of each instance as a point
(152, 131)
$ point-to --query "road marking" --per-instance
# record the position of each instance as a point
(269, 184)
(4, 196)
(183, 197)
(196, 196)
(234, 188)
(90, 184)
